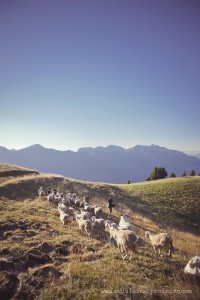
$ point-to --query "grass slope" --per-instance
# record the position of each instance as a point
(8, 171)
(175, 201)
(54, 262)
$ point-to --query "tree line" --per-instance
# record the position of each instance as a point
(161, 173)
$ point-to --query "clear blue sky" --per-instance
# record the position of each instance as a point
(78, 73)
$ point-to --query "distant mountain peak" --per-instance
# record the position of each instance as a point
(107, 148)
(85, 149)
(3, 148)
(153, 146)
(35, 146)
(114, 147)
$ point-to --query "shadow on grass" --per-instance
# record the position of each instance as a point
(164, 217)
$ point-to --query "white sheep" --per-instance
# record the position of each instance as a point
(89, 208)
(59, 197)
(86, 208)
(107, 224)
(124, 223)
(160, 241)
(66, 202)
(62, 207)
(113, 233)
(98, 224)
(85, 226)
(77, 202)
(126, 240)
(82, 215)
(71, 212)
(83, 203)
(98, 211)
(71, 195)
(41, 192)
(50, 198)
(65, 218)
(193, 266)
(54, 198)
(86, 199)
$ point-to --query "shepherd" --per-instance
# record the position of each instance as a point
(110, 204)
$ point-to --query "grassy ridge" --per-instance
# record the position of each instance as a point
(102, 274)
(11, 171)
(5, 168)
(175, 201)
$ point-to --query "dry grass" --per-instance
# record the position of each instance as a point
(11, 168)
(100, 274)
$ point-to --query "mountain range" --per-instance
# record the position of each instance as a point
(111, 164)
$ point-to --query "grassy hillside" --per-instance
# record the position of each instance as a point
(11, 171)
(40, 259)
(173, 202)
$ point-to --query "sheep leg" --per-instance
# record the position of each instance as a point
(155, 250)
(170, 252)
(170, 249)
(130, 256)
(124, 249)
(124, 256)
(121, 250)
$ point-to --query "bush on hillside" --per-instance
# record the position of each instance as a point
(172, 175)
(157, 173)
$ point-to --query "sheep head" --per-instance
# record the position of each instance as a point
(147, 234)
(124, 218)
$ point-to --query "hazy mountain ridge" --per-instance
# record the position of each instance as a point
(112, 164)
(193, 153)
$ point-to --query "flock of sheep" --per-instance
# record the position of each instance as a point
(90, 221)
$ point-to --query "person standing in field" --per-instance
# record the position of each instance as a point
(110, 204)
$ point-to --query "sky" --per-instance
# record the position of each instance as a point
(87, 73)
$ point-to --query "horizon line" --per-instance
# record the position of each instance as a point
(95, 147)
